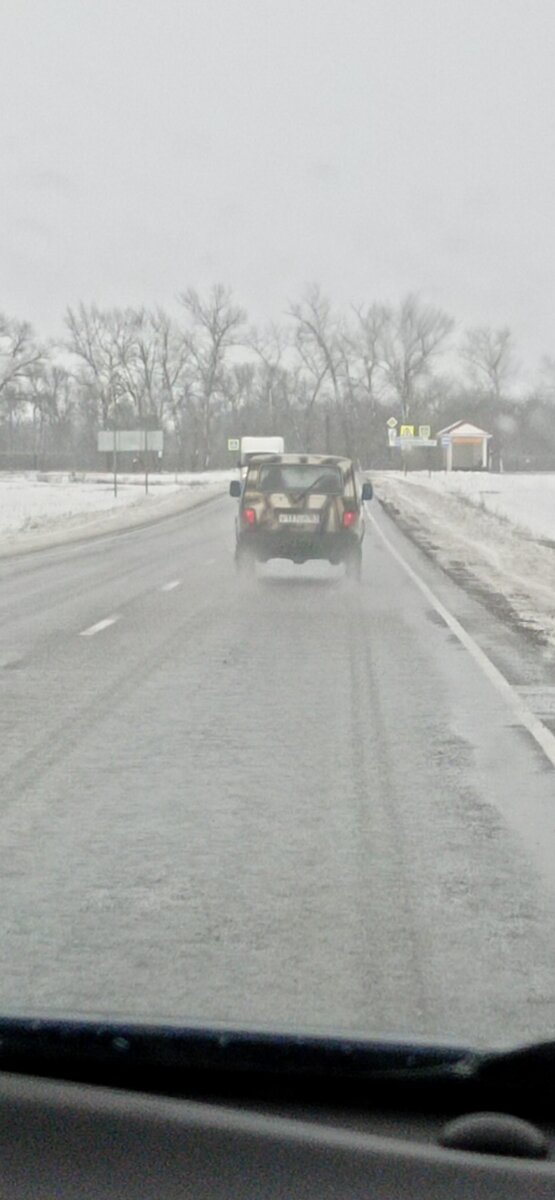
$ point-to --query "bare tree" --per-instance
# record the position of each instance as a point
(172, 397)
(137, 375)
(19, 351)
(153, 359)
(366, 347)
(52, 400)
(19, 354)
(270, 346)
(412, 338)
(546, 384)
(244, 388)
(489, 355)
(216, 324)
(310, 376)
(317, 336)
(129, 357)
(94, 341)
(363, 377)
(322, 379)
(172, 359)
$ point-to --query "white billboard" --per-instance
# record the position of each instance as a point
(134, 441)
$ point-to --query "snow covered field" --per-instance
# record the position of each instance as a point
(526, 501)
(40, 508)
(498, 530)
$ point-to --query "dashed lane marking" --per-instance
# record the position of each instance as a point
(169, 587)
(100, 625)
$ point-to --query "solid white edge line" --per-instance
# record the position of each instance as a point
(100, 625)
(169, 587)
(541, 734)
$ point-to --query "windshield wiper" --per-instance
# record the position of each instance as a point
(526, 1066)
(222, 1061)
(196, 1059)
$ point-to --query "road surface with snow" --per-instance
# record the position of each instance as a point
(290, 801)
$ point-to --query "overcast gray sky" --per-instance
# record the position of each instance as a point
(376, 146)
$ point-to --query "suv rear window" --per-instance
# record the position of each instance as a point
(300, 477)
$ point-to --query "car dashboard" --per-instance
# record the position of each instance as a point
(95, 1112)
(65, 1141)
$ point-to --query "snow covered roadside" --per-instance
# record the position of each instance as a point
(507, 554)
(38, 510)
(527, 501)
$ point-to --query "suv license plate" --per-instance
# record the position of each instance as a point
(299, 519)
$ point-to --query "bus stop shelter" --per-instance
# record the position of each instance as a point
(464, 447)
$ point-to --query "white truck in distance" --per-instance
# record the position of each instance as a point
(259, 445)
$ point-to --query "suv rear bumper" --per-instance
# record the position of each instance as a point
(300, 546)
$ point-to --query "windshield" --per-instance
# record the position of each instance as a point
(284, 757)
(292, 477)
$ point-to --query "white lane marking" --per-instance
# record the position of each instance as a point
(169, 587)
(543, 736)
(100, 625)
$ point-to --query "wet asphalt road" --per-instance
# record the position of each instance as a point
(291, 801)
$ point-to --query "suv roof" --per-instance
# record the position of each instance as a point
(327, 460)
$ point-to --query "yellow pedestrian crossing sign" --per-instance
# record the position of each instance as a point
(406, 431)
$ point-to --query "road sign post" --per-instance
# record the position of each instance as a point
(125, 441)
(115, 462)
(408, 440)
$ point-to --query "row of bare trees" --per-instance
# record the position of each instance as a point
(325, 379)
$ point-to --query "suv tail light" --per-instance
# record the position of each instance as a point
(349, 519)
(249, 516)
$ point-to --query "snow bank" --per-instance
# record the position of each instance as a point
(493, 532)
(46, 509)
(527, 501)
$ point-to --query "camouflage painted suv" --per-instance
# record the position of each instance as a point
(299, 507)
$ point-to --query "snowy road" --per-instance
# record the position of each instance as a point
(291, 801)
